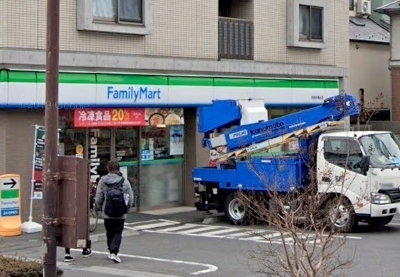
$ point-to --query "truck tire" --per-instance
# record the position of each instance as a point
(235, 210)
(341, 216)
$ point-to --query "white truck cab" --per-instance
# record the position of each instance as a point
(365, 167)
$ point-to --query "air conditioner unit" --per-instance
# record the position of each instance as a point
(363, 7)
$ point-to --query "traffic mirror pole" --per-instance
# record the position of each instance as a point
(50, 163)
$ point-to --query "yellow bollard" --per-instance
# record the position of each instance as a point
(10, 205)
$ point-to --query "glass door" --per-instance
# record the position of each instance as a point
(161, 171)
(126, 153)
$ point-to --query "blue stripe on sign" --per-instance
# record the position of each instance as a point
(9, 212)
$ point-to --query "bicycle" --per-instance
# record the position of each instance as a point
(93, 213)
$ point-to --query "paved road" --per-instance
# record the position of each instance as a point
(170, 248)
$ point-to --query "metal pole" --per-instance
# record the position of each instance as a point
(50, 164)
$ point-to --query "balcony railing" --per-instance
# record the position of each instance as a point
(235, 38)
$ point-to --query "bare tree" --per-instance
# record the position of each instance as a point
(305, 240)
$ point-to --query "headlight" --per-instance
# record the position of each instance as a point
(380, 198)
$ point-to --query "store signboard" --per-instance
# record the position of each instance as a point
(164, 116)
(127, 117)
(109, 117)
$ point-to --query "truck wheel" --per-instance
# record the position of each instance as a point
(235, 210)
(341, 216)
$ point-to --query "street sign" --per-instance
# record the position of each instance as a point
(9, 195)
(12, 183)
(10, 205)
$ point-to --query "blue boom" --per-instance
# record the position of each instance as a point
(226, 113)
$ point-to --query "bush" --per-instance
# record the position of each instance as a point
(19, 267)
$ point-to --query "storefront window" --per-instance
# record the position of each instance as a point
(148, 143)
(72, 141)
(162, 165)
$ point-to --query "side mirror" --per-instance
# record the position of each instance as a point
(364, 163)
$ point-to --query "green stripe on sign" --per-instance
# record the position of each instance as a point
(332, 84)
(125, 79)
(22, 76)
(154, 80)
(70, 78)
(3, 76)
(271, 83)
(190, 81)
(230, 82)
(8, 194)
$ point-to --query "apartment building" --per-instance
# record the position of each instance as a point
(132, 74)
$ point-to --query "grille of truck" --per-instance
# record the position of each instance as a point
(394, 194)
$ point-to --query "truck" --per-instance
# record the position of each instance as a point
(256, 155)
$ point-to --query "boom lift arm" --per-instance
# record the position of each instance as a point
(226, 113)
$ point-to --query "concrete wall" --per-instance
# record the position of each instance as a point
(393, 126)
(369, 70)
(270, 36)
(395, 38)
(189, 34)
(16, 148)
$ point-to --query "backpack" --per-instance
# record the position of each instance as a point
(115, 200)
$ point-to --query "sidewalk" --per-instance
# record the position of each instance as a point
(179, 214)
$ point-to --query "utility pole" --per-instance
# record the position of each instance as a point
(50, 164)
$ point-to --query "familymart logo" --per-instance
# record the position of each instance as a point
(136, 94)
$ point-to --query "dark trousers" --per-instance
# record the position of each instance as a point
(114, 228)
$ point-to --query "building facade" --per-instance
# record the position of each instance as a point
(369, 55)
(393, 11)
(132, 76)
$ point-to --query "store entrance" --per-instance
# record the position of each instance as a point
(150, 151)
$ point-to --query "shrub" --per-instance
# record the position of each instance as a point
(20, 267)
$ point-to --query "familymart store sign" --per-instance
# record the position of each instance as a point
(19, 89)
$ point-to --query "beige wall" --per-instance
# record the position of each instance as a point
(195, 155)
(185, 28)
(3, 22)
(181, 28)
(16, 148)
(369, 70)
(395, 38)
(270, 44)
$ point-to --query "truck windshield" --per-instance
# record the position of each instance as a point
(384, 149)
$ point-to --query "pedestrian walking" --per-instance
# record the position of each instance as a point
(86, 252)
(114, 195)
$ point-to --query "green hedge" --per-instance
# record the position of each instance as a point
(19, 267)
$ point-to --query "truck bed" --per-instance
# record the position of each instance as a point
(279, 174)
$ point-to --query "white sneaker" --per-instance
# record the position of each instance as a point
(115, 258)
